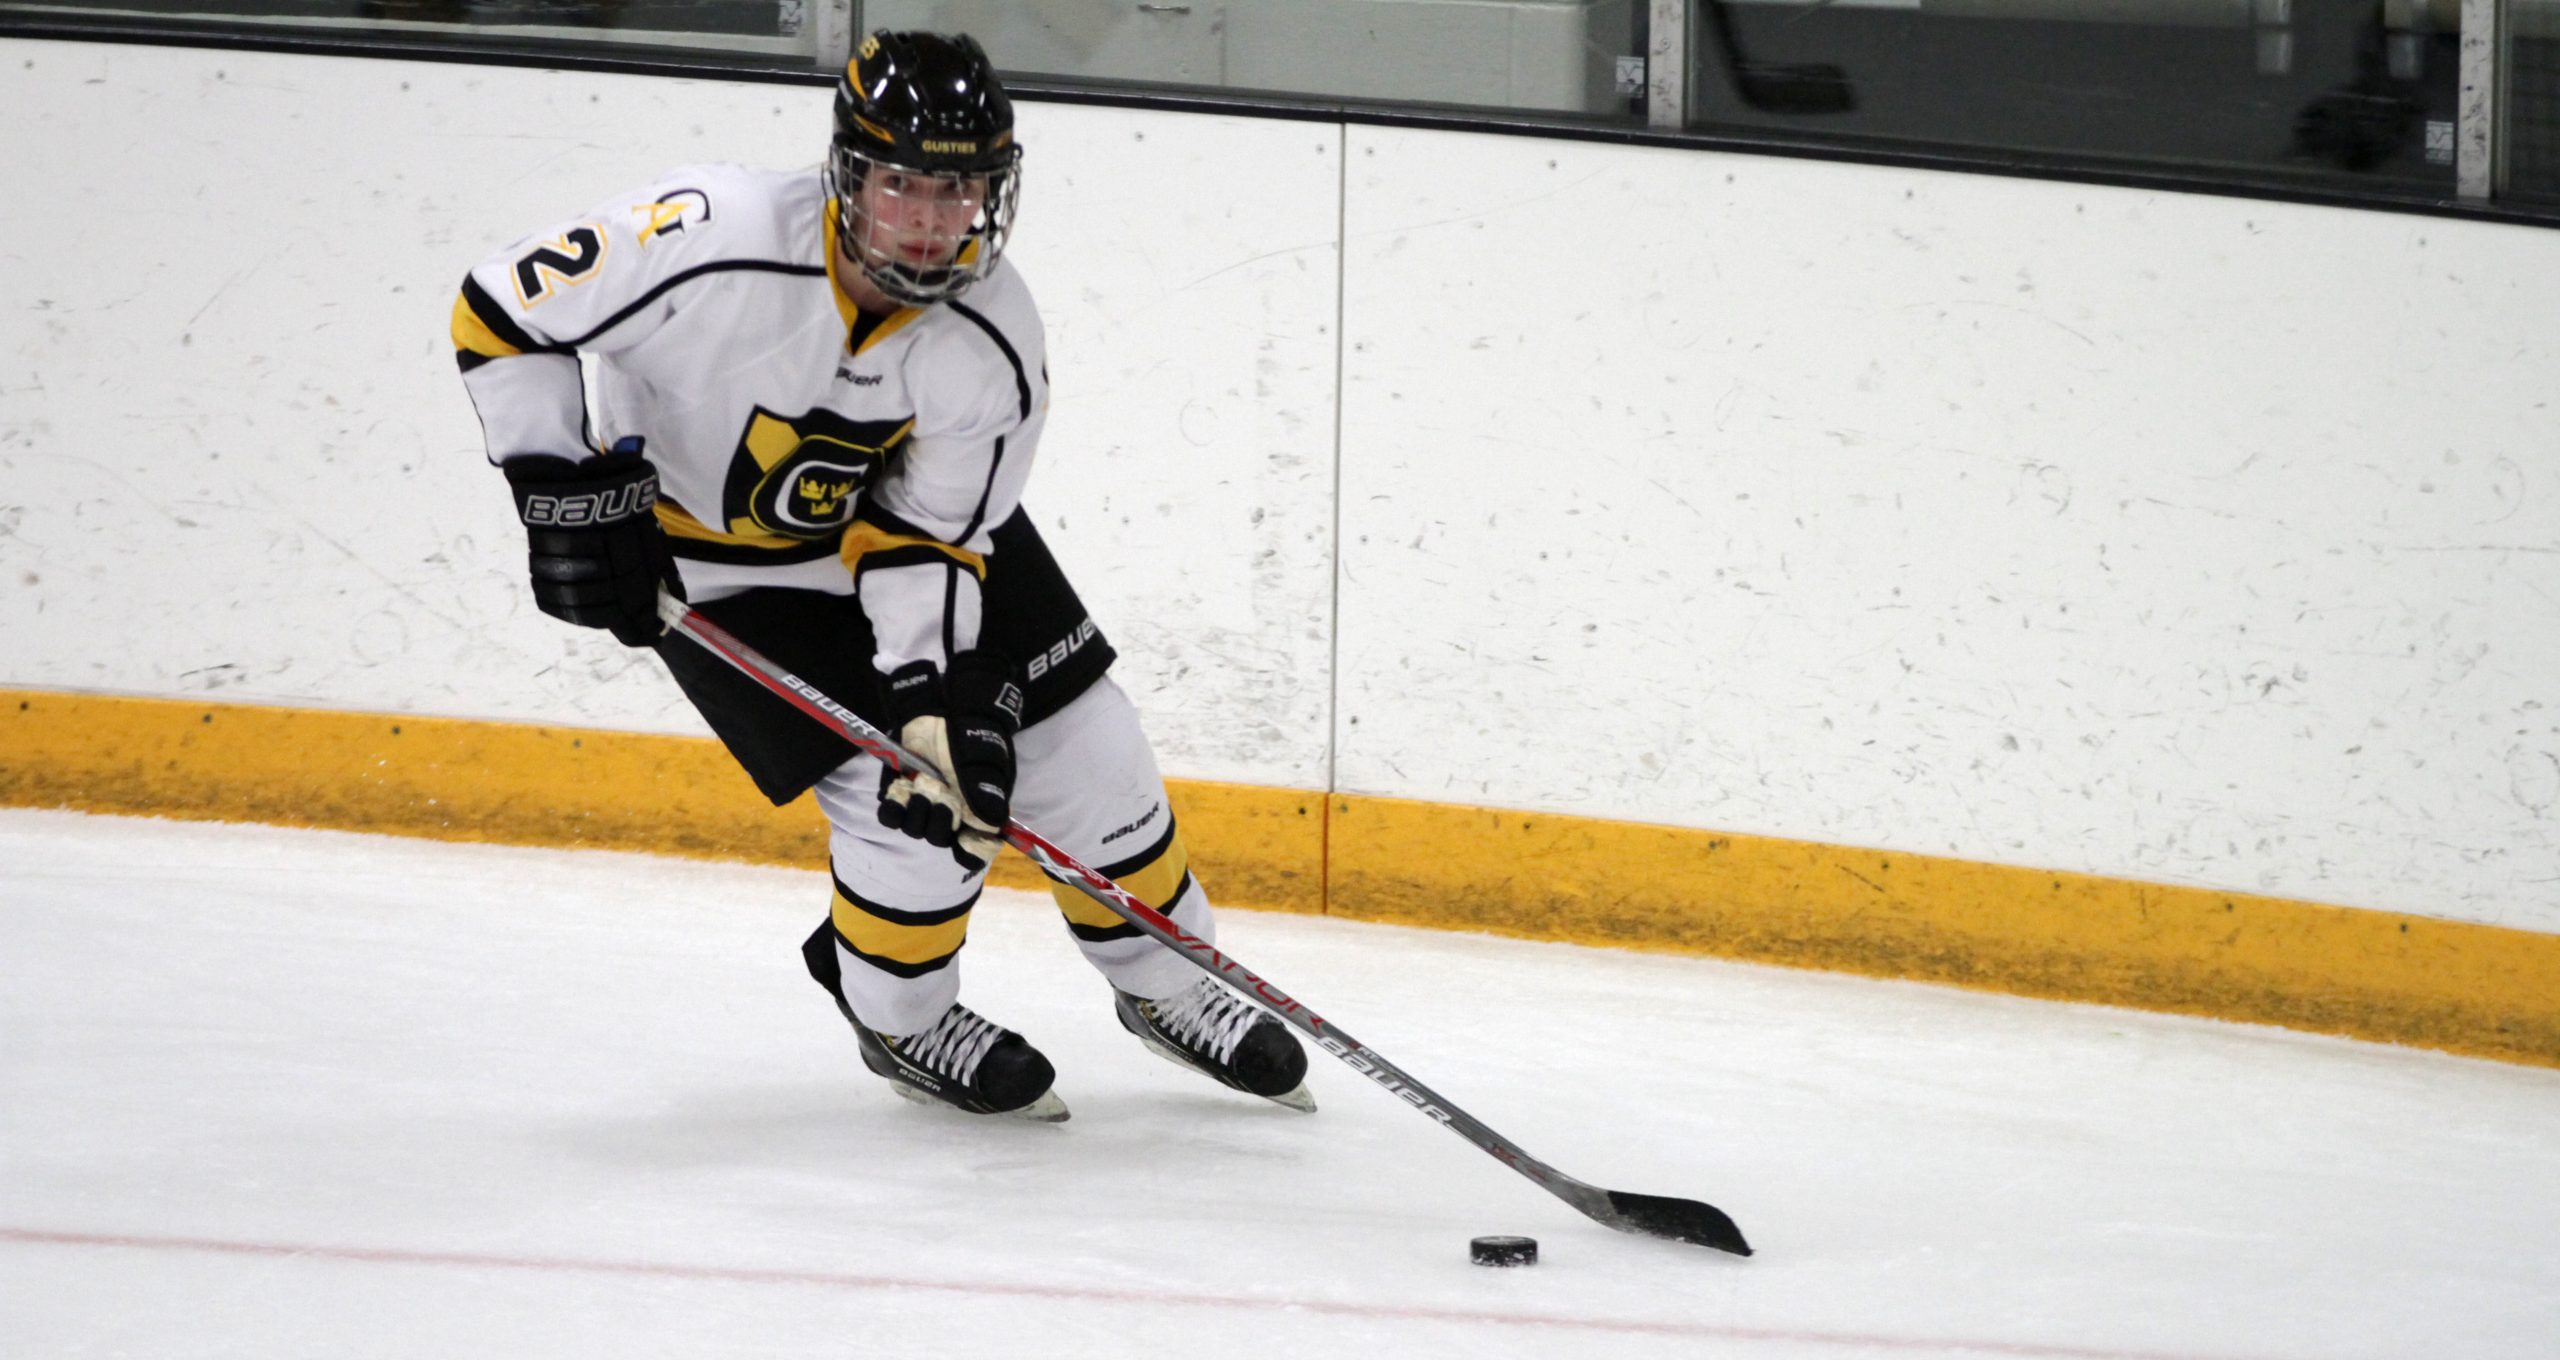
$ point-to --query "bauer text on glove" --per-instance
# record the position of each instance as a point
(596, 552)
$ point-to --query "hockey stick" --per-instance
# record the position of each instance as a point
(1682, 1220)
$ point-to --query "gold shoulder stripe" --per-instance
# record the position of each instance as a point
(472, 335)
(864, 539)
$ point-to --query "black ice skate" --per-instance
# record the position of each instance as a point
(967, 1061)
(1219, 1034)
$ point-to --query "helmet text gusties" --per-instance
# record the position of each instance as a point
(923, 171)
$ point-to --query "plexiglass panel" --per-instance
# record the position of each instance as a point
(2532, 120)
(777, 27)
(2352, 97)
(2349, 91)
(1558, 57)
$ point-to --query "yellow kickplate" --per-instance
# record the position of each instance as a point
(439, 777)
(2467, 988)
(492, 781)
(2475, 989)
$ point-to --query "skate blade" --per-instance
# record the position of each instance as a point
(1298, 1099)
(1048, 1109)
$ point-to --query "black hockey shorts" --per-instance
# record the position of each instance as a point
(1030, 613)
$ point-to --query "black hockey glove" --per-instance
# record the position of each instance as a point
(962, 723)
(598, 556)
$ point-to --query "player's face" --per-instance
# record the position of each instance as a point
(919, 221)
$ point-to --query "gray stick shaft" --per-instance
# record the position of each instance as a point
(1330, 1037)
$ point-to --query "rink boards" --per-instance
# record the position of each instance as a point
(2036, 586)
(2408, 979)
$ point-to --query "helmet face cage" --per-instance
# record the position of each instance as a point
(914, 247)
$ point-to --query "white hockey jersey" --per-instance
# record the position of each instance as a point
(798, 442)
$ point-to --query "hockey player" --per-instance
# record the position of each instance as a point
(818, 397)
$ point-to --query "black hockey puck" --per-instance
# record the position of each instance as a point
(1503, 1251)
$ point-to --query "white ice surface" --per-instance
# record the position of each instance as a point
(275, 1093)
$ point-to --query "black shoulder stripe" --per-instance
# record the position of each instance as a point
(985, 493)
(715, 267)
(1021, 382)
(500, 324)
(1022, 390)
(950, 609)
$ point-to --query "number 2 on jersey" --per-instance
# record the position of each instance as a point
(567, 259)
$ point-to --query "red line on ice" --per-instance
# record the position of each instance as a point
(842, 1280)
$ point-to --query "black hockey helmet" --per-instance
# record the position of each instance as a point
(928, 107)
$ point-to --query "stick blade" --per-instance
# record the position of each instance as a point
(1681, 1220)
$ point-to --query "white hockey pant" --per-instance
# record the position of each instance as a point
(1086, 779)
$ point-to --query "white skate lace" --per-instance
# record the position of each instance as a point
(954, 1045)
(1208, 1018)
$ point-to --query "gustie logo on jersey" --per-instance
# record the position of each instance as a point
(814, 498)
(801, 476)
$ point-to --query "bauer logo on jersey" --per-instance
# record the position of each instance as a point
(801, 477)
